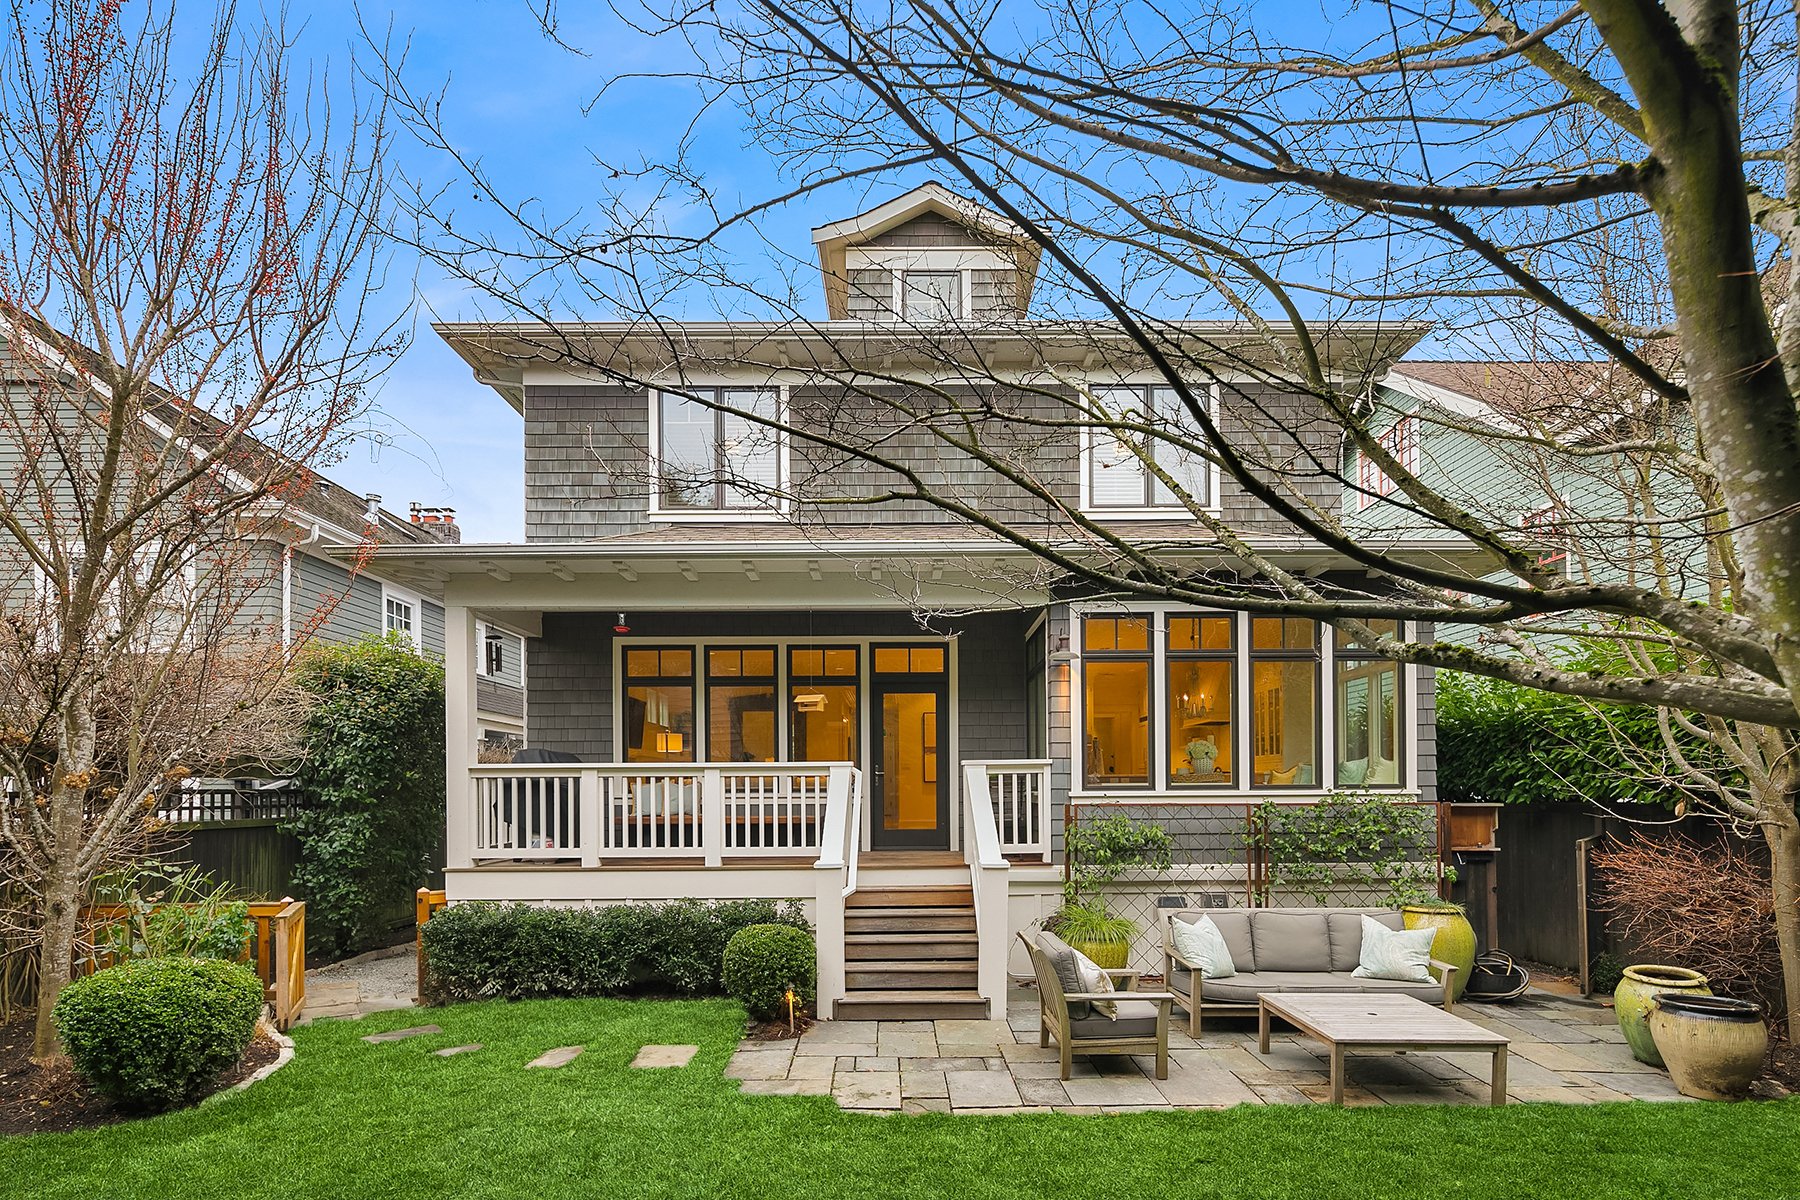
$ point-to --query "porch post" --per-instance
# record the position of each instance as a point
(461, 735)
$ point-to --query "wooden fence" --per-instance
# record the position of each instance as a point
(276, 950)
(427, 902)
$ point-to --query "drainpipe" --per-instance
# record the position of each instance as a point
(287, 585)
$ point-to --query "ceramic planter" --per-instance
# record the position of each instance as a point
(1112, 955)
(1454, 943)
(1633, 999)
(1714, 1045)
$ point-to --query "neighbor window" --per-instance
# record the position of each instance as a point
(402, 617)
(712, 456)
(1201, 663)
(1368, 713)
(740, 704)
(1284, 702)
(1401, 441)
(659, 704)
(1115, 687)
(1118, 460)
(932, 295)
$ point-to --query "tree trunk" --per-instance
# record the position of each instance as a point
(1781, 826)
(56, 955)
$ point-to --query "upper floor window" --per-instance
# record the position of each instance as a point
(1545, 527)
(1119, 462)
(711, 452)
(402, 615)
(1401, 441)
(932, 295)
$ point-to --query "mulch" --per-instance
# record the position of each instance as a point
(778, 1031)
(53, 1099)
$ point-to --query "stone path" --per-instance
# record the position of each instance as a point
(380, 981)
(1562, 1051)
(549, 1060)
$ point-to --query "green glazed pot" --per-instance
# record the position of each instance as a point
(1112, 955)
(1634, 998)
(1454, 943)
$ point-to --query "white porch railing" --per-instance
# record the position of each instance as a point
(1019, 792)
(990, 884)
(592, 812)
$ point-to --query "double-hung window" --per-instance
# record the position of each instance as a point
(1368, 713)
(401, 615)
(1136, 429)
(715, 453)
(931, 296)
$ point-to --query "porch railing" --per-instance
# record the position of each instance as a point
(1018, 791)
(990, 885)
(592, 812)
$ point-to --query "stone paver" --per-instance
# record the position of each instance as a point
(397, 1035)
(453, 1051)
(981, 1089)
(1562, 1052)
(664, 1056)
(549, 1060)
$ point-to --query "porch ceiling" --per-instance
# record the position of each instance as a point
(777, 572)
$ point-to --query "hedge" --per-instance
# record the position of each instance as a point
(478, 950)
(153, 1033)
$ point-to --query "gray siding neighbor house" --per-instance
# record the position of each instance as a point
(744, 682)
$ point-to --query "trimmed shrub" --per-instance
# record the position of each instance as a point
(763, 961)
(526, 951)
(151, 1034)
(371, 822)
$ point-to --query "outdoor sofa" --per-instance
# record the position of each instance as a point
(1285, 950)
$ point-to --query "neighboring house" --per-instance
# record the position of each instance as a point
(303, 593)
(699, 650)
(1475, 432)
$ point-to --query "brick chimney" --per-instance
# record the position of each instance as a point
(437, 524)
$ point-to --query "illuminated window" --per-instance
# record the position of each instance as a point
(740, 705)
(823, 719)
(1115, 689)
(659, 705)
(1284, 702)
(1368, 713)
(1201, 667)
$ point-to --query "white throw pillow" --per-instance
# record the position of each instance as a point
(1403, 955)
(1094, 979)
(1203, 946)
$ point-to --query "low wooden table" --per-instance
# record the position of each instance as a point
(1347, 1021)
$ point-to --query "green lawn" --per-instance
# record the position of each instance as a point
(352, 1120)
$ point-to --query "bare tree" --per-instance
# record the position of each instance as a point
(1612, 180)
(189, 238)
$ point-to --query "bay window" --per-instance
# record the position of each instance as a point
(1368, 714)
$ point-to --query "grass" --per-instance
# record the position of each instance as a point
(349, 1119)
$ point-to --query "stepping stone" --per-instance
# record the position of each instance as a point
(664, 1056)
(562, 1056)
(449, 1051)
(395, 1035)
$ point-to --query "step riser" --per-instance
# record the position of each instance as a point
(912, 898)
(890, 922)
(884, 981)
(850, 1009)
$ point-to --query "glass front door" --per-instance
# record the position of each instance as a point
(909, 796)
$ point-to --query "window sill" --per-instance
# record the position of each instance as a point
(1146, 514)
(716, 516)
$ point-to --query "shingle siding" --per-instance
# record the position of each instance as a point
(928, 230)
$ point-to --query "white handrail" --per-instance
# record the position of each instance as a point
(1019, 793)
(989, 886)
(853, 832)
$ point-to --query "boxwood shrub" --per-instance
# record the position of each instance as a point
(153, 1033)
(522, 951)
(763, 961)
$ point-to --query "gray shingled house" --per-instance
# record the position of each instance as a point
(743, 685)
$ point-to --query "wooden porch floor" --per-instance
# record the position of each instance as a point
(869, 860)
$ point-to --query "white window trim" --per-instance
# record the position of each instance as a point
(1209, 503)
(718, 516)
(1396, 441)
(1326, 697)
(390, 592)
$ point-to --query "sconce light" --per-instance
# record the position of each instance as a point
(1062, 653)
(809, 702)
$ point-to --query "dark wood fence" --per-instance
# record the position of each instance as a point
(232, 831)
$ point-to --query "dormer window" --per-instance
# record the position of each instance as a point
(932, 295)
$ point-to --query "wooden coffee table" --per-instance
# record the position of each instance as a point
(1347, 1021)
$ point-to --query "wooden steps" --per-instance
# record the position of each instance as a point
(911, 954)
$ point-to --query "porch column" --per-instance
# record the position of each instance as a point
(461, 734)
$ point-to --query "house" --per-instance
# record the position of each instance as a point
(743, 686)
(301, 594)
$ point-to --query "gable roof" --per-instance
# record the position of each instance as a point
(1559, 396)
(928, 197)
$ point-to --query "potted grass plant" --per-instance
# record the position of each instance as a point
(1102, 853)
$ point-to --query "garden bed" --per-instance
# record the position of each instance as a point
(53, 1099)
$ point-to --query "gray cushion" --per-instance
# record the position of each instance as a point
(1234, 926)
(1244, 989)
(1062, 961)
(1345, 932)
(1290, 941)
(1431, 993)
(1137, 1018)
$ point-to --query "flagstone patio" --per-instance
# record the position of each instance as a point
(1563, 1051)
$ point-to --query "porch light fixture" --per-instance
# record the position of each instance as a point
(1062, 653)
(620, 627)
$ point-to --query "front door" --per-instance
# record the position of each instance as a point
(909, 793)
